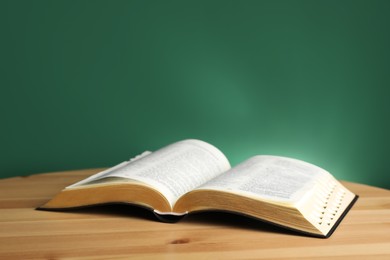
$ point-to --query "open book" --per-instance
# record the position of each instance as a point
(192, 175)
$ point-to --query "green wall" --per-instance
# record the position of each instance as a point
(89, 84)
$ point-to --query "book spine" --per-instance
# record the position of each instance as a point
(169, 217)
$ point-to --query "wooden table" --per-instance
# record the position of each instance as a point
(130, 232)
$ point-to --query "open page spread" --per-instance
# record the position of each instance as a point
(173, 170)
(274, 178)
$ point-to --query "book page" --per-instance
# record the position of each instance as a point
(106, 173)
(174, 169)
(270, 177)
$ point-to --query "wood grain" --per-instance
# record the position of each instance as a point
(129, 232)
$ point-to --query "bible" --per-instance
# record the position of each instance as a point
(193, 176)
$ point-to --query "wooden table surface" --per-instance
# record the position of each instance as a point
(129, 232)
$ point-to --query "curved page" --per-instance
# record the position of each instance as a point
(172, 170)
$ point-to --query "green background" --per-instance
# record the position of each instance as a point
(89, 84)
